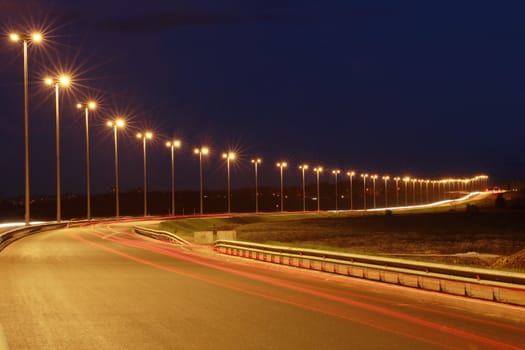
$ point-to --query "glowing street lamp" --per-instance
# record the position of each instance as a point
(318, 170)
(282, 165)
(201, 151)
(303, 168)
(115, 124)
(427, 195)
(386, 178)
(396, 180)
(336, 172)
(26, 39)
(228, 156)
(57, 82)
(147, 135)
(256, 162)
(172, 145)
(351, 174)
(87, 106)
(364, 176)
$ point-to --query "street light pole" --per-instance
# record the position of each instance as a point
(115, 124)
(172, 145)
(364, 176)
(318, 170)
(64, 81)
(406, 180)
(336, 172)
(350, 176)
(386, 178)
(57, 149)
(374, 177)
(282, 165)
(228, 156)
(421, 190)
(414, 191)
(87, 106)
(34, 38)
(396, 179)
(200, 152)
(256, 162)
(147, 135)
(303, 168)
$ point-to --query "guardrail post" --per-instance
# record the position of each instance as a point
(495, 294)
(467, 290)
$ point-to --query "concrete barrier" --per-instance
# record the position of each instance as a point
(229, 235)
(203, 237)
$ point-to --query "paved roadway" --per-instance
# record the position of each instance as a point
(102, 288)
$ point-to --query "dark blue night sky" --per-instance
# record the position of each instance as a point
(428, 89)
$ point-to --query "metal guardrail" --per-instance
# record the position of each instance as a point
(500, 286)
(158, 234)
(10, 236)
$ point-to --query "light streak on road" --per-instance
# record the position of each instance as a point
(365, 313)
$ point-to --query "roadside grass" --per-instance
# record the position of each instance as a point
(191, 225)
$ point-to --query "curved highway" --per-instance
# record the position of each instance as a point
(100, 287)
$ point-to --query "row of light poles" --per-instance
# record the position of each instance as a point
(63, 81)
(229, 156)
(476, 183)
(56, 82)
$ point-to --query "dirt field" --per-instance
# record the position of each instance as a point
(483, 239)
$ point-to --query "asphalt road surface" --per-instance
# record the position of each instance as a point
(100, 287)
